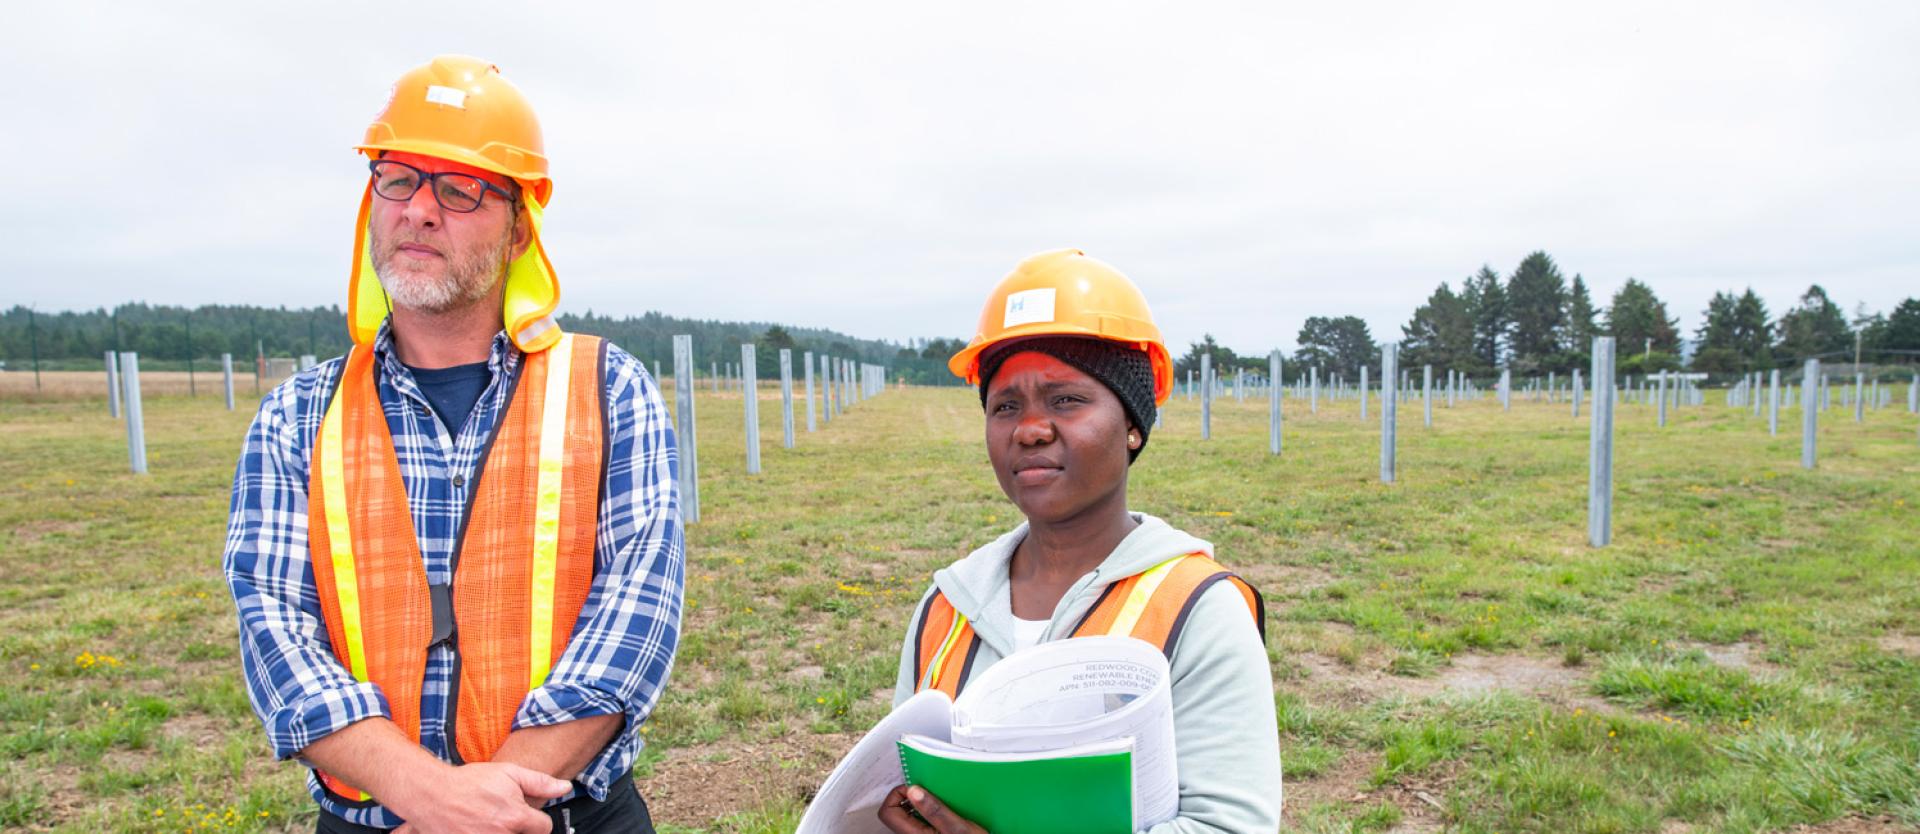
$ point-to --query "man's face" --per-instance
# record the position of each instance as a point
(434, 260)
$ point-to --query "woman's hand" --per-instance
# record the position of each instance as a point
(939, 819)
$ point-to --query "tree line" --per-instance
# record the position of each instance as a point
(172, 335)
(1535, 321)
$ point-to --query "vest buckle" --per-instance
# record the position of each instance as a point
(442, 596)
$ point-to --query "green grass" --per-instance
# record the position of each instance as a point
(124, 709)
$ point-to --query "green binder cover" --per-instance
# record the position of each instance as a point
(1090, 794)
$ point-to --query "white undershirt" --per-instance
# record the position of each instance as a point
(1026, 633)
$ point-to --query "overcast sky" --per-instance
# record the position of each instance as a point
(876, 167)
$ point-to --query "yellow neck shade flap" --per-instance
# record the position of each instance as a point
(533, 293)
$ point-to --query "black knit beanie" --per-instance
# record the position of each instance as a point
(1124, 370)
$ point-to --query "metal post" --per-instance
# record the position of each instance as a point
(1660, 399)
(1363, 388)
(1426, 392)
(1600, 447)
(136, 426)
(1773, 403)
(786, 398)
(750, 394)
(1859, 396)
(826, 390)
(1206, 396)
(1313, 390)
(1506, 389)
(686, 442)
(1810, 391)
(1273, 404)
(807, 363)
(1389, 404)
(113, 385)
(1576, 392)
(226, 373)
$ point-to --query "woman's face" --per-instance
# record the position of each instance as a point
(1058, 439)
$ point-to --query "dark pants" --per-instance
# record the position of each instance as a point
(624, 812)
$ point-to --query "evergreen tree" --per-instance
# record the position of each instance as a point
(1638, 319)
(1487, 304)
(1224, 358)
(766, 353)
(1813, 328)
(1536, 303)
(1716, 351)
(1580, 327)
(1752, 335)
(1901, 333)
(1440, 334)
(1337, 345)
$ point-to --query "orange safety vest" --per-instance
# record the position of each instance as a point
(522, 563)
(1152, 605)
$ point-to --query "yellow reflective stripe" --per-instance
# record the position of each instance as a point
(333, 480)
(946, 648)
(546, 509)
(1142, 592)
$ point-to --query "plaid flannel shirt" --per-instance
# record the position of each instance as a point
(622, 647)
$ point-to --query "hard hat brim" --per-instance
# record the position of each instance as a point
(966, 363)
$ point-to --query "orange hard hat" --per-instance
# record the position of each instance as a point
(459, 108)
(1066, 293)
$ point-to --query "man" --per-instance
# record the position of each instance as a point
(456, 552)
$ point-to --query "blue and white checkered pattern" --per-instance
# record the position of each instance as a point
(622, 646)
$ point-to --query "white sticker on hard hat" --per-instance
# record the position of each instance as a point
(448, 96)
(1028, 307)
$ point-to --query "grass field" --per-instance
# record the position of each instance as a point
(1447, 651)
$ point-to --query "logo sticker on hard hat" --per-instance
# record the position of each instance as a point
(448, 96)
(1029, 307)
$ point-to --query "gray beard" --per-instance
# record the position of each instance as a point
(468, 278)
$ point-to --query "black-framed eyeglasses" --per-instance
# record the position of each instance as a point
(454, 192)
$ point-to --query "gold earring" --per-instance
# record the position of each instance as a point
(1133, 439)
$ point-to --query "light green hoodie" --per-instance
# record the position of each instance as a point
(1223, 716)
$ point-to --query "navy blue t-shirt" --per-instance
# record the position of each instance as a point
(452, 391)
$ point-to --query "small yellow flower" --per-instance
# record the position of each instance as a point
(34, 667)
(819, 700)
(1609, 734)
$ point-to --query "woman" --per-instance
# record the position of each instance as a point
(1071, 371)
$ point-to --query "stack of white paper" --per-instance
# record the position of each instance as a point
(1083, 692)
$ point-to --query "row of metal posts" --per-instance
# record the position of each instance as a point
(123, 393)
(1604, 397)
(843, 381)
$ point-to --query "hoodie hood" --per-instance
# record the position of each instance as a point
(979, 588)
